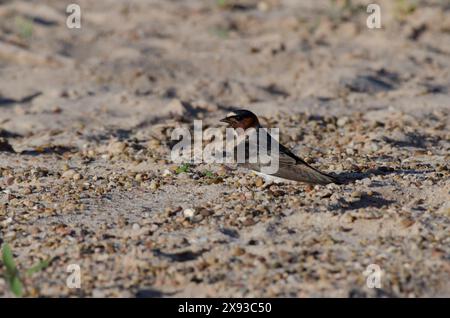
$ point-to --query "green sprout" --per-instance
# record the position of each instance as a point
(183, 168)
(39, 267)
(209, 174)
(404, 8)
(12, 275)
(221, 3)
(221, 32)
(24, 27)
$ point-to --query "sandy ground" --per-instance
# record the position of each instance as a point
(85, 123)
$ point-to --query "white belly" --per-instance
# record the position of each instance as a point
(272, 179)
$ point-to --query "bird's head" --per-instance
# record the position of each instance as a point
(241, 118)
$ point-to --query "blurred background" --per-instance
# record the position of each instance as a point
(289, 55)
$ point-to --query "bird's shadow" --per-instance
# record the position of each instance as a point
(352, 176)
(152, 293)
(365, 201)
(6, 101)
(184, 256)
(58, 150)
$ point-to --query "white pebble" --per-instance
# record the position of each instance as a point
(342, 121)
(69, 174)
(189, 213)
(136, 227)
(7, 221)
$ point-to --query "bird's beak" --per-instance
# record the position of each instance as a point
(225, 120)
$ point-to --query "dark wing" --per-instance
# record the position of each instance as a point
(298, 170)
(294, 168)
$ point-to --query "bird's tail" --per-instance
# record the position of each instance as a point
(325, 178)
(315, 176)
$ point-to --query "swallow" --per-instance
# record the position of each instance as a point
(290, 166)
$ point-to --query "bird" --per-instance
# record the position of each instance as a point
(290, 166)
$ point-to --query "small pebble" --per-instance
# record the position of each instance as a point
(188, 213)
(135, 227)
(69, 174)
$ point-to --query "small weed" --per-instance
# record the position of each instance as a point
(404, 8)
(221, 3)
(24, 27)
(209, 174)
(220, 32)
(12, 275)
(39, 267)
(184, 168)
